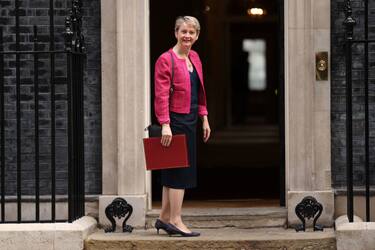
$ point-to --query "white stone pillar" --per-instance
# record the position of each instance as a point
(307, 107)
(126, 104)
(109, 97)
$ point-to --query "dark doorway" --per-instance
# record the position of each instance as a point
(242, 55)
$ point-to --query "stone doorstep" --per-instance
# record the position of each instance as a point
(357, 235)
(223, 238)
(251, 217)
(54, 236)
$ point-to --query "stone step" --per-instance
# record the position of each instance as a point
(223, 238)
(245, 217)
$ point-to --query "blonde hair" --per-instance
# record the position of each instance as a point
(189, 20)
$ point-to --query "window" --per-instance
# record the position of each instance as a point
(256, 48)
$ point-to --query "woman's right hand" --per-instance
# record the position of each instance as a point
(166, 135)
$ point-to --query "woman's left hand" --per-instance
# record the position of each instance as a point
(206, 128)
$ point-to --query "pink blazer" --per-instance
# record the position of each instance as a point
(180, 98)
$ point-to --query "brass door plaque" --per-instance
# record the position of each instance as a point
(321, 66)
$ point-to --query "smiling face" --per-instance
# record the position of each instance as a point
(186, 35)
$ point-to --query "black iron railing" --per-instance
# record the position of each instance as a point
(74, 58)
(349, 42)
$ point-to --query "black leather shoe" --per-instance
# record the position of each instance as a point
(161, 225)
(175, 230)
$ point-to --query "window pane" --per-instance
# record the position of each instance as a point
(256, 48)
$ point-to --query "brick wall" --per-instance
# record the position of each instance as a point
(338, 98)
(36, 12)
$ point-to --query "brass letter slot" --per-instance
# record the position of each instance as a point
(321, 66)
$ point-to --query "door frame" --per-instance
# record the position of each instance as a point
(281, 111)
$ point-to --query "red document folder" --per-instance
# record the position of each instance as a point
(160, 157)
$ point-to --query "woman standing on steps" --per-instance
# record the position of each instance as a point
(177, 111)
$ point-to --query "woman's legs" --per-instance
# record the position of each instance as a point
(165, 206)
(176, 197)
(171, 207)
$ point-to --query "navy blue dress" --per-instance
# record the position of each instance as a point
(182, 178)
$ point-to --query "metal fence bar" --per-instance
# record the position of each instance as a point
(77, 131)
(75, 136)
(349, 132)
(53, 125)
(2, 131)
(18, 107)
(81, 143)
(367, 145)
(70, 140)
(36, 124)
(349, 24)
